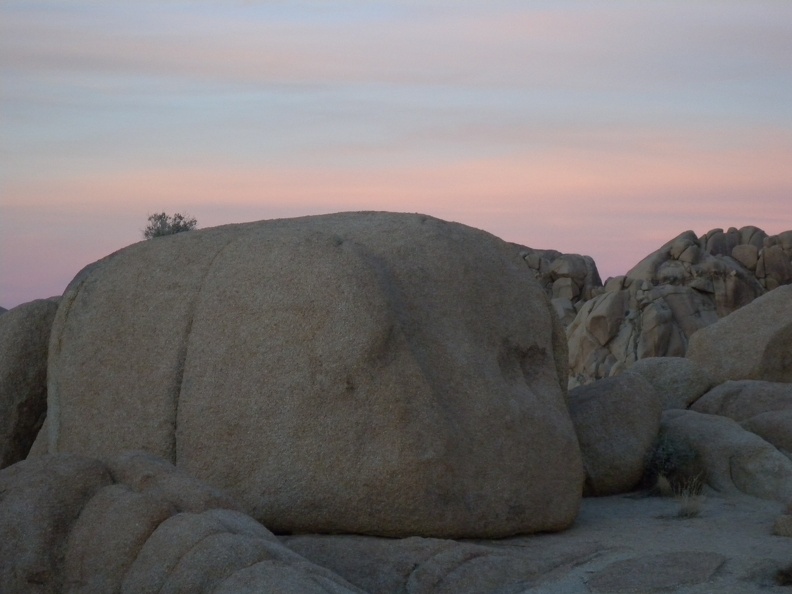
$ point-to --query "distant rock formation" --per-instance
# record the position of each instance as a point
(374, 373)
(686, 285)
(568, 279)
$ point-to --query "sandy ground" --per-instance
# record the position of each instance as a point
(737, 529)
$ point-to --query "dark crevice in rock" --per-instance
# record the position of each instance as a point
(70, 295)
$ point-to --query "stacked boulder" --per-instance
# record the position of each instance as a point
(686, 285)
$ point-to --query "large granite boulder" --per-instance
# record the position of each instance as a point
(24, 339)
(686, 285)
(754, 342)
(72, 524)
(365, 372)
(616, 420)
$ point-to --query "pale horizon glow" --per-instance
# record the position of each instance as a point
(603, 128)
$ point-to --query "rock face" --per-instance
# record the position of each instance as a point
(77, 526)
(24, 338)
(686, 285)
(616, 420)
(366, 372)
(752, 343)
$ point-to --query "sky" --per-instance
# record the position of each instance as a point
(596, 127)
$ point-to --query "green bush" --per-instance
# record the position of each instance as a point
(160, 224)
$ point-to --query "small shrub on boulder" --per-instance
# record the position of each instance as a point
(160, 224)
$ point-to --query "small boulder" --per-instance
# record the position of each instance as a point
(754, 342)
(616, 420)
(734, 459)
(24, 341)
(678, 381)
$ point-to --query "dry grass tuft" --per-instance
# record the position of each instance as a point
(687, 494)
(690, 503)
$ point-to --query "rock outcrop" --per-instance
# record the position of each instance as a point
(754, 342)
(365, 372)
(686, 285)
(24, 339)
(616, 420)
(73, 524)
